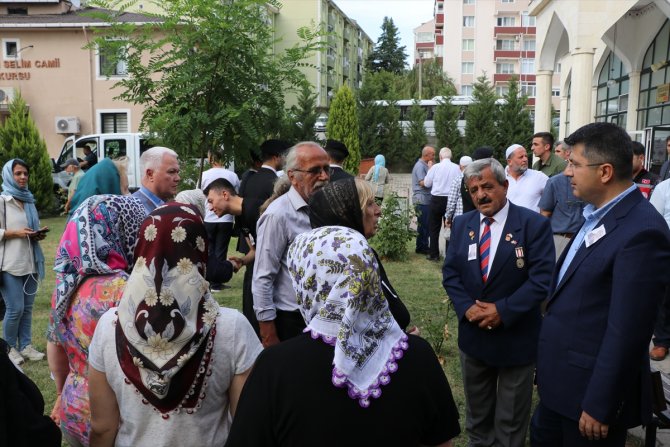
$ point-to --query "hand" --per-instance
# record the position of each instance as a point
(55, 412)
(18, 234)
(237, 263)
(414, 330)
(474, 314)
(268, 333)
(591, 428)
(489, 315)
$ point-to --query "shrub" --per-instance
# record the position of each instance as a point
(394, 232)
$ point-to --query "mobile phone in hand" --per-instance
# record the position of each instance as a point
(42, 230)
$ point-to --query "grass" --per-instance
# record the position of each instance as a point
(417, 281)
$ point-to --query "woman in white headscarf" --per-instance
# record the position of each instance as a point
(354, 377)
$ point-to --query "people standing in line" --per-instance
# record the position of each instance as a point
(548, 163)
(219, 228)
(660, 200)
(159, 167)
(274, 298)
(646, 181)
(497, 273)
(106, 177)
(337, 152)
(379, 176)
(90, 158)
(459, 200)
(71, 166)
(353, 364)
(665, 168)
(168, 359)
(439, 179)
(564, 210)
(21, 260)
(222, 199)
(91, 274)
(421, 198)
(560, 149)
(593, 373)
(525, 185)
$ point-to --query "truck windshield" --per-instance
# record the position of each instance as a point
(66, 152)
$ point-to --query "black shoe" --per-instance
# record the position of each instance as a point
(434, 259)
(422, 252)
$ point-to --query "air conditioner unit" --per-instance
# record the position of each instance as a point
(67, 124)
(6, 95)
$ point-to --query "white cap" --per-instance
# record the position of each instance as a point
(465, 160)
(511, 149)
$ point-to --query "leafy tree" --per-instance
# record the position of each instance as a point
(388, 55)
(480, 125)
(19, 138)
(434, 81)
(446, 126)
(203, 71)
(514, 123)
(415, 135)
(381, 85)
(343, 126)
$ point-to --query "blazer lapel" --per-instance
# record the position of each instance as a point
(472, 237)
(506, 248)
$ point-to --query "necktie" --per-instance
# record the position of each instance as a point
(484, 248)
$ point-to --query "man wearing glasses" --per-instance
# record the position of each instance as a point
(592, 365)
(307, 168)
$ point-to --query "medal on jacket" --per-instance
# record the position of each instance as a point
(519, 257)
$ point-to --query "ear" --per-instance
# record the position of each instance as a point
(606, 173)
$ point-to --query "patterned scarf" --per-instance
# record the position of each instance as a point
(167, 317)
(99, 239)
(11, 188)
(336, 279)
(336, 204)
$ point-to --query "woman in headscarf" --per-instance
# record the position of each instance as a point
(168, 359)
(21, 260)
(92, 263)
(351, 203)
(354, 370)
(379, 176)
(105, 177)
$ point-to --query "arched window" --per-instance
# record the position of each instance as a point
(654, 108)
(613, 84)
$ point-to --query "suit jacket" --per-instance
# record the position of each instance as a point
(600, 317)
(516, 284)
(339, 174)
(259, 186)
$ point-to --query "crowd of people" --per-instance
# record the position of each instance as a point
(556, 274)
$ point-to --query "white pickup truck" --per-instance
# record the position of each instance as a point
(106, 145)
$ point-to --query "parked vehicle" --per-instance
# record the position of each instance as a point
(321, 122)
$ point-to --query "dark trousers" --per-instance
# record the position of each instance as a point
(438, 205)
(289, 324)
(248, 298)
(422, 216)
(218, 235)
(550, 429)
(662, 327)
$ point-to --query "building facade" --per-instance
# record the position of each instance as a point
(424, 42)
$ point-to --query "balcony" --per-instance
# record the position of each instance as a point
(330, 60)
(514, 30)
(513, 54)
(331, 80)
(439, 20)
(347, 34)
(505, 77)
(439, 40)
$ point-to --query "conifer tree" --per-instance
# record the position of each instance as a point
(343, 126)
(514, 123)
(446, 126)
(391, 138)
(19, 138)
(481, 117)
(388, 55)
(415, 135)
(303, 115)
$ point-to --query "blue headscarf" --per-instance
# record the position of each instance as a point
(102, 178)
(11, 188)
(379, 161)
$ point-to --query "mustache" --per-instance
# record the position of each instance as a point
(320, 184)
(484, 201)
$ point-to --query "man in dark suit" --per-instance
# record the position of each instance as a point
(259, 186)
(497, 272)
(592, 367)
(337, 152)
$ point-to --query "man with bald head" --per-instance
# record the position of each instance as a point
(525, 185)
(421, 197)
(307, 168)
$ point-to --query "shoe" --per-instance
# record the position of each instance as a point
(422, 252)
(430, 258)
(658, 353)
(31, 353)
(15, 357)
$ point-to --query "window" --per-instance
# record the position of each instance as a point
(527, 66)
(527, 20)
(468, 44)
(440, 6)
(111, 60)
(529, 45)
(10, 48)
(505, 68)
(467, 68)
(468, 21)
(505, 21)
(114, 122)
(466, 90)
(468, 2)
(502, 90)
(528, 90)
(506, 1)
(557, 67)
(505, 44)
(556, 91)
(425, 37)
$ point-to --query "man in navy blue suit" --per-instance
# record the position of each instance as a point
(593, 367)
(497, 272)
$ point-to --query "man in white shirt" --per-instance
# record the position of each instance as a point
(219, 229)
(439, 180)
(525, 185)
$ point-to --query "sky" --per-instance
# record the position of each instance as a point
(406, 15)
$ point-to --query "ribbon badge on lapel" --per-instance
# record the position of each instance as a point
(508, 238)
(472, 235)
(519, 257)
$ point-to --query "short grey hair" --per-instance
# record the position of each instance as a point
(152, 158)
(291, 158)
(445, 152)
(474, 170)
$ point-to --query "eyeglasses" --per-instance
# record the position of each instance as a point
(572, 165)
(316, 170)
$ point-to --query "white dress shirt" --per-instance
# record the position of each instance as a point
(441, 176)
(527, 190)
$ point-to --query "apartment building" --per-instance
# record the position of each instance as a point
(424, 42)
(347, 46)
(495, 37)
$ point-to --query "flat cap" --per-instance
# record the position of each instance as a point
(274, 147)
(336, 149)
